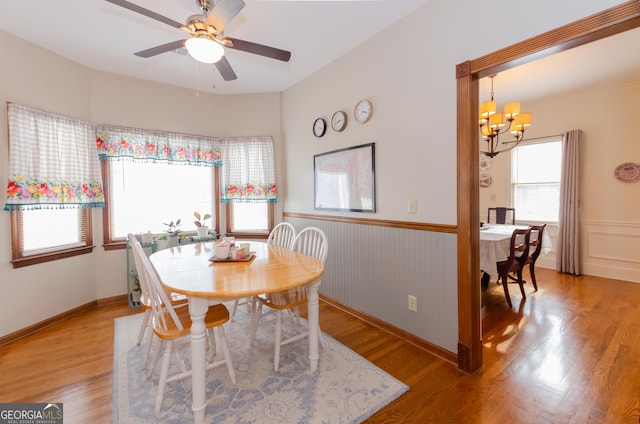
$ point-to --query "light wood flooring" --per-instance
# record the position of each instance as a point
(570, 353)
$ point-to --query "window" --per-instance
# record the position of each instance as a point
(54, 181)
(143, 196)
(43, 235)
(249, 219)
(535, 177)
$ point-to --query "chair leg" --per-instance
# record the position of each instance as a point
(147, 349)
(227, 354)
(255, 320)
(234, 309)
(211, 339)
(144, 325)
(533, 276)
(154, 358)
(164, 371)
(278, 337)
(506, 290)
(521, 283)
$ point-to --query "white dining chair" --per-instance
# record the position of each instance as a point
(177, 300)
(311, 241)
(171, 324)
(282, 235)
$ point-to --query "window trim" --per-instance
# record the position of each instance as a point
(116, 243)
(532, 142)
(248, 234)
(18, 260)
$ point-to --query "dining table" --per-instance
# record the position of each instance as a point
(194, 271)
(495, 240)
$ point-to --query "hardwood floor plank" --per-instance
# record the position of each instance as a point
(569, 353)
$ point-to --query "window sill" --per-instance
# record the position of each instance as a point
(48, 257)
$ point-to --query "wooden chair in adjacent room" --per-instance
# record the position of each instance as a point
(282, 235)
(171, 324)
(535, 247)
(518, 252)
(501, 215)
(311, 241)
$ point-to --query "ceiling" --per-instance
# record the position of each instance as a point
(602, 62)
(104, 37)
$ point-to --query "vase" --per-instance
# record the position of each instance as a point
(173, 241)
(202, 231)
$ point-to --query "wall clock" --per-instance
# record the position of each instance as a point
(319, 127)
(339, 121)
(363, 110)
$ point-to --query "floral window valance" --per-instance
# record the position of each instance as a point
(52, 161)
(118, 142)
(248, 169)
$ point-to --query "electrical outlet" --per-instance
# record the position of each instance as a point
(413, 303)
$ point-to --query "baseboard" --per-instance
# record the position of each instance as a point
(395, 331)
(32, 329)
(112, 300)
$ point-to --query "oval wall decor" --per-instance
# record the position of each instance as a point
(627, 172)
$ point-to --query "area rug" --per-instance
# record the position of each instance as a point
(346, 388)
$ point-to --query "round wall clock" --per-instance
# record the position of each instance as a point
(363, 110)
(339, 121)
(485, 180)
(319, 127)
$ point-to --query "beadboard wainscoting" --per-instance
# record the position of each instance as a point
(374, 268)
(611, 249)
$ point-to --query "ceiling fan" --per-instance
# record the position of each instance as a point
(207, 42)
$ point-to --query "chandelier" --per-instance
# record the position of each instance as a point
(493, 124)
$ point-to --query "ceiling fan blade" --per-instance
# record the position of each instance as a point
(174, 45)
(255, 48)
(146, 12)
(225, 69)
(223, 12)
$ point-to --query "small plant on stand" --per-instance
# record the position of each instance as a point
(173, 231)
(136, 290)
(201, 228)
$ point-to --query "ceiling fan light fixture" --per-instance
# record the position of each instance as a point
(204, 49)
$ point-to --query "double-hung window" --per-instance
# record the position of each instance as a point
(535, 180)
(248, 185)
(54, 181)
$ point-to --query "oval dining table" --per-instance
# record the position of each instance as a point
(187, 269)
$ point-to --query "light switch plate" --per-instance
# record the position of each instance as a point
(412, 205)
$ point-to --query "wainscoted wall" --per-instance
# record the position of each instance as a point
(611, 249)
(373, 269)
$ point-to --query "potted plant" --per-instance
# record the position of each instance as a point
(136, 290)
(201, 228)
(173, 231)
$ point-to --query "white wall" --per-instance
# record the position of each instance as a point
(407, 71)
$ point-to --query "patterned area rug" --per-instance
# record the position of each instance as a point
(346, 388)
